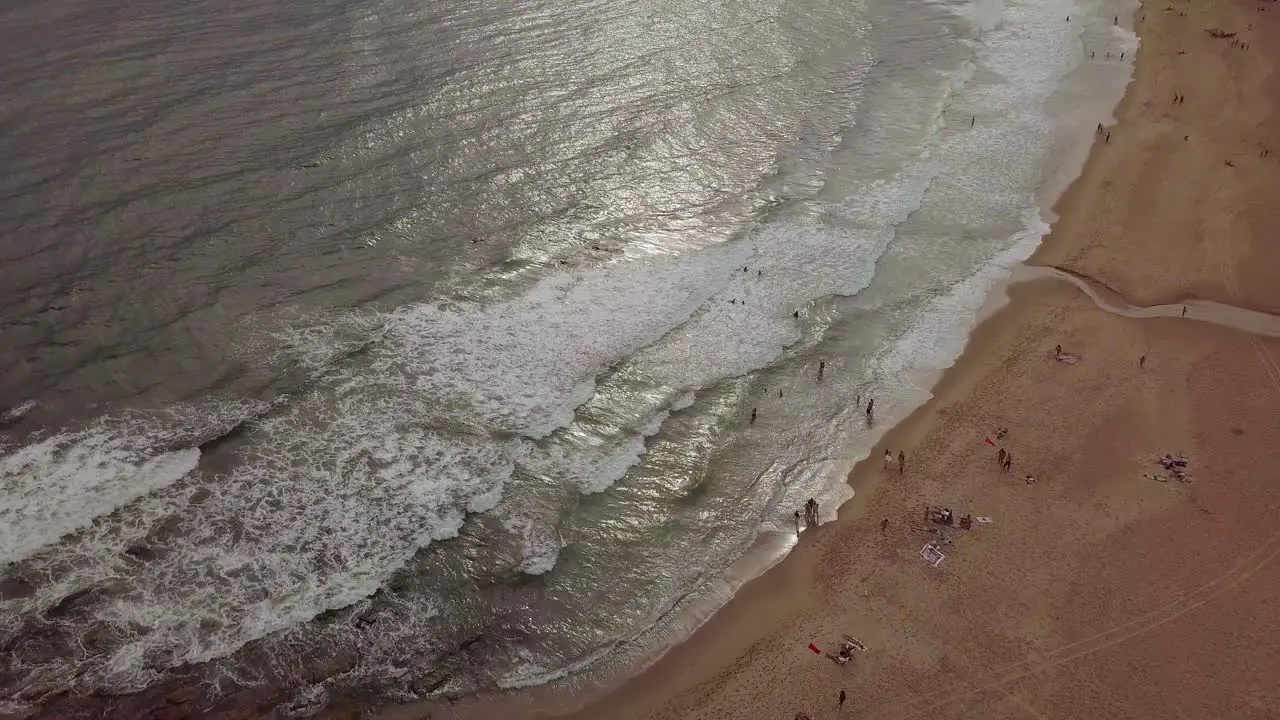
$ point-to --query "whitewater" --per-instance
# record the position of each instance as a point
(448, 386)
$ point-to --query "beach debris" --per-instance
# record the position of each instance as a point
(802, 716)
(1221, 34)
(984, 519)
(932, 554)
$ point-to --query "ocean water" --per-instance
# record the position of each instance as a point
(379, 350)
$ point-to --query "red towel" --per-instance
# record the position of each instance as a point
(814, 648)
(989, 442)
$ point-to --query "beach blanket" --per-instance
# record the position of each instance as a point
(1068, 359)
(932, 555)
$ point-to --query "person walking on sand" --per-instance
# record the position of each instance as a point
(884, 524)
(1008, 461)
(822, 367)
(1142, 360)
(888, 458)
(797, 523)
(1184, 311)
(902, 461)
(841, 698)
(1000, 457)
(753, 416)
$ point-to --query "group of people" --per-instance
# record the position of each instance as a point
(810, 515)
(944, 516)
(845, 654)
(1005, 459)
(902, 460)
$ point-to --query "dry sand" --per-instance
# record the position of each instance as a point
(1096, 592)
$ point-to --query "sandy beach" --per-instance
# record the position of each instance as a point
(1099, 590)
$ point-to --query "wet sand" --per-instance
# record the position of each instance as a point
(1098, 591)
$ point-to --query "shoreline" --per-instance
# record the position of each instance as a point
(747, 591)
(750, 591)
(728, 643)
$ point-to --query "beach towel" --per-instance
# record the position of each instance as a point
(932, 555)
(815, 649)
(984, 519)
(989, 442)
(1067, 359)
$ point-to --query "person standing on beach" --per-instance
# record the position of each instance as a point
(884, 524)
(1184, 311)
(1000, 458)
(902, 461)
(888, 458)
(871, 405)
(1008, 461)
(841, 698)
(753, 416)
(822, 367)
(1142, 361)
(797, 523)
